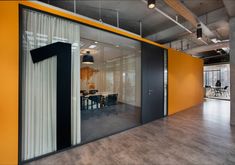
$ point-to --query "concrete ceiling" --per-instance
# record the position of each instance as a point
(214, 14)
(230, 6)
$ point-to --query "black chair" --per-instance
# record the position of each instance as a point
(209, 91)
(226, 88)
(83, 103)
(84, 92)
(95, 100)
(225, 91)
(218, 91)
(111, 99)
(93, 91)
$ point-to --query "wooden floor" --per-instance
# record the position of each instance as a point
(201, 135)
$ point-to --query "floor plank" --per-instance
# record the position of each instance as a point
(200, 135)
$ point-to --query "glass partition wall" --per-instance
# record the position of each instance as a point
(104, 95)
(110, 86)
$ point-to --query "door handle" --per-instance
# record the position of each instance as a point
(150, 91)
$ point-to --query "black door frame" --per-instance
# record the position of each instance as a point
(21, 8)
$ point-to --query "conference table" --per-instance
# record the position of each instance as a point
(217, 90)
(97, 99)
(105, 94)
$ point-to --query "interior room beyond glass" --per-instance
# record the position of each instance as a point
(217, 81)
(110, 86)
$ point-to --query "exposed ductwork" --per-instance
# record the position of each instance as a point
(210, 47)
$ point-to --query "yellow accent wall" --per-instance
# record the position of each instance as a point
(185, 74)
(185, 81)
(9, 82)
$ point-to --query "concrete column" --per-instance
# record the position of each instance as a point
(232, 69)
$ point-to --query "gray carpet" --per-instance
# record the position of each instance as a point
(108, 120)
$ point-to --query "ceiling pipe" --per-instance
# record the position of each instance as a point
(117, 18)
(173, 20)
(141, 29)
(210, 47)
(74, 6)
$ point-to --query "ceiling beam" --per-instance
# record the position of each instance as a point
(183, 11)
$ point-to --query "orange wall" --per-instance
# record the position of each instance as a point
(185, 81)
(8, 83)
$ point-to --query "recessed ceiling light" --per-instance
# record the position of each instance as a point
(96, 42)
(151, 4)
(92, 46)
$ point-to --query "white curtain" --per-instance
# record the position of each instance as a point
(39, 83)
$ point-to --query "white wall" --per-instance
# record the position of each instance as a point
(121, 75)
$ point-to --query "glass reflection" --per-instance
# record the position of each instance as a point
(110, 87)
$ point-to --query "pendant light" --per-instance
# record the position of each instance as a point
(87, 58)
(199, 31)
(151, 4)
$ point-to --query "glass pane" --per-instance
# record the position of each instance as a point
(111, 85)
